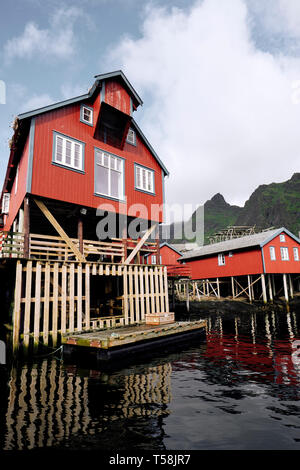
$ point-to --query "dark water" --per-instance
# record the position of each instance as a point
(236, 389)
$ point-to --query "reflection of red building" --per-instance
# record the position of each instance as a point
(276, 365)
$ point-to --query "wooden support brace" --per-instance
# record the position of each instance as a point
(59, 229)
(140, 244)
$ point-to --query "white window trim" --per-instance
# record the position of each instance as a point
(5, 203)
(148, 172)
(133, 141)
(282, 238)
(85, 121)
(121, 196)
(272, 253)
(73, 142)
(221, 259)
(284, 251)
(296, 253)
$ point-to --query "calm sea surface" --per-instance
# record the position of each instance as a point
(238, 388)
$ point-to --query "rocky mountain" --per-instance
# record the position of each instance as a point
(272, 205)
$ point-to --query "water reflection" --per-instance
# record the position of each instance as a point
(224, 392)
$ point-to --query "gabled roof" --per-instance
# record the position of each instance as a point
(172, 247)
(249, 241)
(99, 78)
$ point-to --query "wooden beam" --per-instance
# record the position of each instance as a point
(59, 229)
(26, 226)
(140, 244)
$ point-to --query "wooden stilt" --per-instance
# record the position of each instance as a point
(264, 292)
(26, 227)
(232, 287)
(270, 288)
(291, 287)
(249, 289)
(80, 234)
(187, 296)
(286, 294)
(218, 288)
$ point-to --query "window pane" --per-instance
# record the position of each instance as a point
(149, 188)
(68, 152)
(59, 149)
(138, 177)
(102, 179)
(77, 156)
(106, 160)
(143, 178)
(115, 184)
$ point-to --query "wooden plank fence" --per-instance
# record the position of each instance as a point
(53, 298)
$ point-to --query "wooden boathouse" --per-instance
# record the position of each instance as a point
(81, 204)
(263, 266)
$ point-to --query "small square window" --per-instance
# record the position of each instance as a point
(86, 115)
(282, 238)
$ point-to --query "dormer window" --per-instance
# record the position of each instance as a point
(131, 137)
(86, 115)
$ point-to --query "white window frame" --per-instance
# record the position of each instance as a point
(5, 203)
(284, 252)
(111, 162)
(68, 145)
(221, 259)
(131, 137)
(282, 237)
(296, 254)
(272, 253)
(91, 111)
(142, 177)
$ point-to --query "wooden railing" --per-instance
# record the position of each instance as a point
(55, 248)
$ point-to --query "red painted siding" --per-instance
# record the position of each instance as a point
(279, 266)
(117, 96)
(169, 256)
(62, 184)
(240, 264)
(17, 199)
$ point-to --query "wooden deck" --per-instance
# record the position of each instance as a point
(111, 343)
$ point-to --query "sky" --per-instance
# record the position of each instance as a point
(220, 81)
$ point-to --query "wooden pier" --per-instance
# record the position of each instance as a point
(122, 341)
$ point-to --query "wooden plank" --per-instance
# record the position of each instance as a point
(46, 304)
(142, 292)
(71, 300)
(147, 290)
(94, 269)
(87, 296)
(125, 294)
(140, 244)
(59, 229)
(166, 290)
(79, 298)
(55, 304)
(161, 290)
(156, 293)
(37, 306)
(17, 307)
(152, 291)
(131, 305)
(27, 303)
(136, 294)
(64, 299)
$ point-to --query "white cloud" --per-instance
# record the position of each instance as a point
(219, 111)
(36, 102)
(58, 41)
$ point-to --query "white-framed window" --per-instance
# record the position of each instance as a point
(68, 152)
(221, 259)
(5, 203)
(153, 259)
(131, 137)
(86, 115)
(109, 175)
(272, 253)
(296, 253)
(144, 179)
(284, 251)
(282, 238)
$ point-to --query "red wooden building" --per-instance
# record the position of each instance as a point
(269, 253)
(77, 154)
(169, 256)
